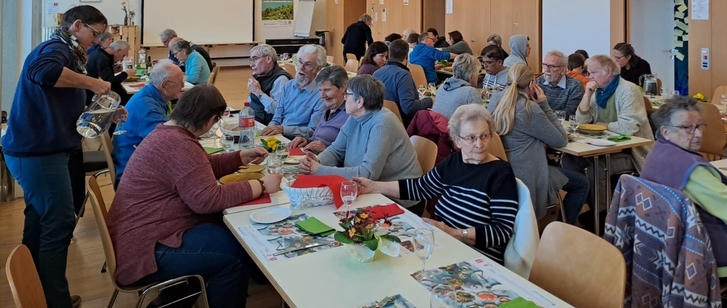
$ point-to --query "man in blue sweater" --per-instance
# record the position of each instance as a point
(49, 98)
(425, 54)
(147, 109)
(399, 84)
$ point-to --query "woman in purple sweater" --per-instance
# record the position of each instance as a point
(164, 221)
(376, 57)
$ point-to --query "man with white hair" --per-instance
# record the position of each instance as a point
(300, 106)
(563, 92)
(267, 81)
(147, 109)
(102, 63)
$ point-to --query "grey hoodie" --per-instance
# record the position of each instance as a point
(453, 93)
(518, 50)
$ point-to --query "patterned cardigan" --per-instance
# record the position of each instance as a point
(669, 259)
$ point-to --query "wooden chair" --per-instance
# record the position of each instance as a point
(99, 211)
(496, 148)
(426, 152)
(658, 87)
(713, 139)
(647, 104)
(394, 108)
(290, 68)
(417, 73)
(351, 65)
(579, 267)
(108, 148)
(213, 74)
(24, 280)
(350, 56)
(330, 59)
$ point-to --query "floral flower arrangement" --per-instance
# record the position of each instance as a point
(360, 228)
(271, 144)
(128, 13)
(700, 98)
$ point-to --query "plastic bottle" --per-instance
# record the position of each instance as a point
(247, 127)
(141, 64)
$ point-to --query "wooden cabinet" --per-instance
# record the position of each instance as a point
(339, 15)
(130, 34)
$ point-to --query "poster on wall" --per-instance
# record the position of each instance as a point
(277, 13)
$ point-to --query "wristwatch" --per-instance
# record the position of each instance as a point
(465, 233)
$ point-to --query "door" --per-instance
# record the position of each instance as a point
(651, 26)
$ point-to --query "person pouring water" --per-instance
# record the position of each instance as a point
(41, 135)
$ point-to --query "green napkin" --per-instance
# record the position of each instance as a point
(210, 150)
(314, 226)
(519, 303)
(619, 138)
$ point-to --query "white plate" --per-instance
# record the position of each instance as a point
(293, 160)
(270, 215)
(601, 142)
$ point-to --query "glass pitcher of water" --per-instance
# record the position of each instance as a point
(97, 118)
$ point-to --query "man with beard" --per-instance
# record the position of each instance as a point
(300, 105)
(267, 81)
(563, 92)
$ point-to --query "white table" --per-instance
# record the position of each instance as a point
(330, 278)
(133, 90)
(721, 165)
(580, 148)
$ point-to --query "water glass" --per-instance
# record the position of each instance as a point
(349, 192)
(574, 124)
(421, 90)
(561, 115)
(97, 117)
(274, 163)
(664, 91)
(423, 246)
(227, 141)
(432, 87)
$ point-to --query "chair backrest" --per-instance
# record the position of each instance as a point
(99, 212)
(350, 56)
(108, 149)
(523, 244)
(24, 280)
(658, 87)
(579, 267)
(213, 75)
(393, 107)
(647, 104)
(719, 91)
(426, 152)
(290, 68)
(713, 139)
(330, 59)
(496, 148)
(417, 73)
(351, 65)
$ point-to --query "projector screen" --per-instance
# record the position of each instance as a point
(202, 22)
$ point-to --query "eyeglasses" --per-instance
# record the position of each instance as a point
(306, 65)
(550, 67)
(471, 139)
(346, 95)
(690, 129)
(95, 32)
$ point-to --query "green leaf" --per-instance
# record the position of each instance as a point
(391, 238)
(372, 244)
(341, 237)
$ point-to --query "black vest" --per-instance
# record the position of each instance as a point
(266, 85)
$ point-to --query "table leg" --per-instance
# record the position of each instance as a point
(609, 195)
(596, 205)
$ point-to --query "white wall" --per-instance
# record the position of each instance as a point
(569, 25)
(652, 36)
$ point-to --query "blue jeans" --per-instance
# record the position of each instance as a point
(577, 190)
(49, 219)
(209, 250)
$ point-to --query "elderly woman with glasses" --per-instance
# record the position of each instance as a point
(527, 125)
(459, 89)
(165, 219)
(371, 144)
(195, 66)
(478, 198)
(675, 161)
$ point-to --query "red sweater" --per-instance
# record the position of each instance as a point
(169, 186)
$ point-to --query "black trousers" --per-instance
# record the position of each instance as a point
(78, 179)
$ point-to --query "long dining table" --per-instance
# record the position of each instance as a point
(331, 278)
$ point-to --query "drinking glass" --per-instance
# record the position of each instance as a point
(274, 163)
(227, 141)
(574, 124)
(675, 93)
(421, 90)
(119, 130)
(439, 296)
(97, 117)
(664, 91)
(432, 87)
(561, 115)
(423, 246)
(349, 192)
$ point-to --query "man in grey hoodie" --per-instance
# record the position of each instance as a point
(519, 50)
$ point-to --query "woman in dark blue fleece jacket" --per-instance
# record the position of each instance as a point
(41, 136)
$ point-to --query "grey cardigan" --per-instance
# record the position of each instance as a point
(375, 146)
(525, 148)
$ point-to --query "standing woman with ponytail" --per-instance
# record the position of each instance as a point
(527, 125)
(632, 66)
(41, 143)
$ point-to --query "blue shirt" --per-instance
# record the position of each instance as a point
(196, 69)
(426, 56)
(42, 118)
(147, 109)
(401, 90)
(299, 110)
(92, 49)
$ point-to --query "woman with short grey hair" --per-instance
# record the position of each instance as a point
(478, 191)
(371, 144)
(104, 40)
(459, 89)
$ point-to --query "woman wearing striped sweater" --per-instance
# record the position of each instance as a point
(478, 193)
